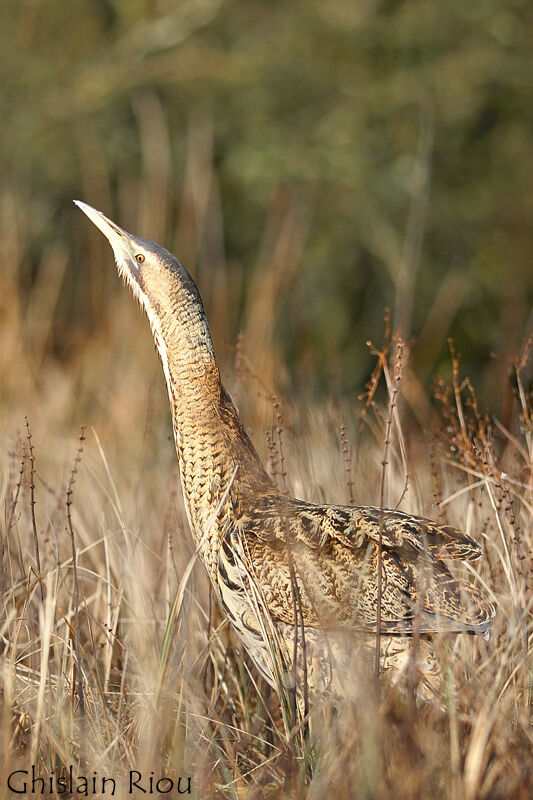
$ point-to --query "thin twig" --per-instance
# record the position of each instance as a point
(15, 497)
(347, 462)
(390, 416)
(297, 609)
(70, 487)
(32, 501)
(373, 382)
(279, 432)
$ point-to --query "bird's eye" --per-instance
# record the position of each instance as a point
(139, 257)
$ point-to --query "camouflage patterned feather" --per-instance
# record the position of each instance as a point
(271, 558)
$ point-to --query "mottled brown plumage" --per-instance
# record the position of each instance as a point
(298, 581)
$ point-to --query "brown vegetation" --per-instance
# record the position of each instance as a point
(114, 657)
(365, 154)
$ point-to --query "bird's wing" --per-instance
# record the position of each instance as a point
(356, 526)
(335, 557)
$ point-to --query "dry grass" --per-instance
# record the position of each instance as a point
(115, 657)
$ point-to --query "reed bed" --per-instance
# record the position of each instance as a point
(116, 660)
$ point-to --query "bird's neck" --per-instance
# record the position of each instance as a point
(218, 464)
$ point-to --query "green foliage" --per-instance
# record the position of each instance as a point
(402, 131)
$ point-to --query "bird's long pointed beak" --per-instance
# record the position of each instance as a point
(117, 237)
(124, 248)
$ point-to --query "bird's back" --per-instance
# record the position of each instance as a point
(289, 566)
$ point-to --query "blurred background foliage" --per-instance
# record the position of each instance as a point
(312, 163)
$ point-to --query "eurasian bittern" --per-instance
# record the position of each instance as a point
(298, 581)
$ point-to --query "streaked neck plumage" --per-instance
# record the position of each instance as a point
(219, 466)
(216, 458)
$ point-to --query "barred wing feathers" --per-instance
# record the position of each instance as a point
(335, 553)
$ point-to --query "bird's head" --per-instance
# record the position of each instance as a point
(157, 279)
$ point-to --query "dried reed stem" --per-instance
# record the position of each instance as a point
(398, 367)
(32, 502)
(279, 433)
(347, 462)
(70, 488)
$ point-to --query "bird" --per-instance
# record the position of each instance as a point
(298, 581)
